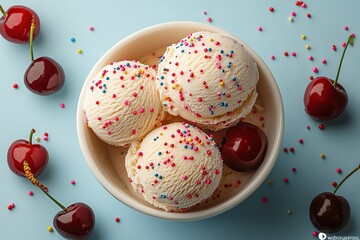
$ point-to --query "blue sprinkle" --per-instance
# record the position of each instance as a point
(155, 139)
(227, 55)
(72, 39)
(118, 68)
(159, 153)
(231, 51)
(182, 51)
(104, 91)
(138, 75)
(158, 164)
(156, 175)
(191, 147)
(128, 64)
(234, 79)
(162, 77)
(223, 70)
(226, 105)
(161, 83)
(160, 177)
(221, 51)
(164, 69)
(185, 146)
(107, 78)
(209, 49)
(164, 104)
(222, 104)
(162, 196)
(211, 112)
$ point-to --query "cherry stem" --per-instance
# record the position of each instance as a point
(32, 28)
(2, 11)
(347, 176)
(30, 176)
(31, 136)
(54, 200)
(350, 40)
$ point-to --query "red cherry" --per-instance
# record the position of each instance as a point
(329, 213)
(323, 100)
(15, 24)
(22, 150)
(76, 223)
(44, 76)
(244, 146)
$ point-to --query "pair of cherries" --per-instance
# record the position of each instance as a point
(29, 160)
(20, 24)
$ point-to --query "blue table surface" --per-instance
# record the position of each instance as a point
(112, 21)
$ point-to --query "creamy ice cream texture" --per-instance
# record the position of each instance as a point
(175, 166)
(208, 79)
(122, 104)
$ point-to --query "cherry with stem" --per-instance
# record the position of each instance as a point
(76, 221)
(324, 98)
(44, 76)
(329, 212)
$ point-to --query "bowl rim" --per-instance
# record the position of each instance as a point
(248, 189)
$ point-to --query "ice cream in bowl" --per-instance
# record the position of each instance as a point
(156, 113)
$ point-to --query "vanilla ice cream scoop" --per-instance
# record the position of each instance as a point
(176, 166)
(208, 79)
(122, 103)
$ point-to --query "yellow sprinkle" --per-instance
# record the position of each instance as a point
(165, 98)
(190, 139)
(270, 182)
(80, 51)
(37, 139)
(176, 85)
(222, 83)
(289, 212)
(303, 36)
(134, 75)
(307, 47)
(161, 134)
(211, 39)
(322, 155)
(50, 229)
(202, 143)
(142, 71)
(180, 88)
(173, 87)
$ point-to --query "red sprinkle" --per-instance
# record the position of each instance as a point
(264, 199)
(321, 126)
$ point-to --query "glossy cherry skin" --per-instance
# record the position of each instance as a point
(244, 147)
(44, 76)
(323, 100)
(77, 223)
(15, 26)
(35, 154)
(329, 213)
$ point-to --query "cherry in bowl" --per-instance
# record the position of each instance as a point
(244, 147)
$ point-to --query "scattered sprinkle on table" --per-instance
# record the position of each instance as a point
(30, 193)
(117, 219)
(50, 229)
(62, 105)
(15, 86)
(80, 51)
(270, 182)
(72, 39)
(308, 47)
(334, 184)
(289, 212)
(338, 170)
(91, 28)
(315, 233)
(322, 155)
(264, 199)
(37, 138)
(286, 180)
(209, 19)
(73, 182)
(321, 126)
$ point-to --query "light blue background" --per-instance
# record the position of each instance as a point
(114, 20)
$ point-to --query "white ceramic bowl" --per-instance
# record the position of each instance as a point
(106, 162)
